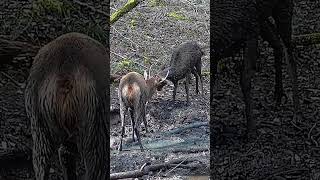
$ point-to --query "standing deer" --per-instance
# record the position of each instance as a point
(186, 59)
(66, 100)
(134, 92)
(238, 24)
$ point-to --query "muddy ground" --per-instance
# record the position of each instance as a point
(148, 35)
(283, 150)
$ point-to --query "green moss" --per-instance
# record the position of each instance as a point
(62, 8)
(154, 3)
(146, 60)
(133, 23)
(205, 73)
(127, 65)
(178, 16)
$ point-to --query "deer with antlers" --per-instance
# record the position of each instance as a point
(134, 92)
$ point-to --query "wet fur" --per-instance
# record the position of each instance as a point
(66, 100)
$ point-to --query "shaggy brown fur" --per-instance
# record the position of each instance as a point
(66, 100)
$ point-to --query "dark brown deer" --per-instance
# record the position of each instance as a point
(238, 24)
(134, 92)
(66, 100)
(186, 59)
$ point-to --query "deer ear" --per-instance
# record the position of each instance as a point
(145, 74)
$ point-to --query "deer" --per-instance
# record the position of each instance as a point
(134, 93)
(185, 60)
(66, 99)
(238, 25)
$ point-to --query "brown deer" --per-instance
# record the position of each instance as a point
(66, 100)
(134, 92)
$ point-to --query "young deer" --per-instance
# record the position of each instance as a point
(66, 100)
(134, 92)
(186, 59)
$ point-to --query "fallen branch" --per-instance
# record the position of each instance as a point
(190, 150)
(19, 85)
(145, 169)
(122, 11)
(190, 126)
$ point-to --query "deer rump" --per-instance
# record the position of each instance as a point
(68, 100)
(131, 95)
(65, 92)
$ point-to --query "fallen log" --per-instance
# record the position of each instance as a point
(122, 11)
(146, 168)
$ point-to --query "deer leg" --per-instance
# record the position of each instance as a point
(195, 73)
(187, 86)
(67, 157)
(94, 150)
(283, 18)
(122, 116)
(137, 129)
(269, 33)
(42, 150)
(144, 117)
(132, 123)
(175, 86)
(245, 82)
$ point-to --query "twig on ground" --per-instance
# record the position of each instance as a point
(180, 129)
(12, 80)
(175, 167)
(309, 134)
(117, 55)
(296, 126)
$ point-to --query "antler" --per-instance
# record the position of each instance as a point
(165, 77)
(150, 71)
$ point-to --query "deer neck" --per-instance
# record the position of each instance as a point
(151, 89)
